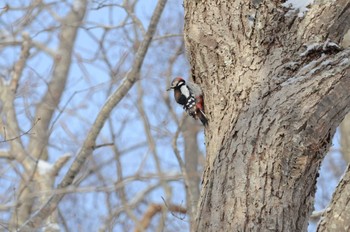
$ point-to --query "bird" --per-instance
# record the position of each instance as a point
(190, 96)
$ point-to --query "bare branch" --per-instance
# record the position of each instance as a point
(51, 99)
(22, 134)
(153, 209)
(18, 69)
(183, 166)
(103, 145)
(128, 82)
(89, 143)
(60, 163)
(132, 203)
(337, 214)
(5, 154)
(150, 139)
(107, 188)
(7, 96)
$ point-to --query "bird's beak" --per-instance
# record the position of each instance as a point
(170, 88)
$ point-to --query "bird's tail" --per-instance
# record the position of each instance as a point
(202, 117)
(199, 111)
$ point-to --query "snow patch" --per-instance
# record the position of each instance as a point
(6, 82)
(300, 77)
(52, 227)
(44, 167)
(330, 44)
(298, 5)
(251, 19)
(309, 48)
(322, 47)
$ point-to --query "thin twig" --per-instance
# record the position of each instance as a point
(37, 218)
(103, 145)
(153, 209)
(172, 213)
(24, 133)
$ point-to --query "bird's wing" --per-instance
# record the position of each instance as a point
(194, 88)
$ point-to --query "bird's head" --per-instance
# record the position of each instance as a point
(176, 83)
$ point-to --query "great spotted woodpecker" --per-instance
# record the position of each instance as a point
(190, 96)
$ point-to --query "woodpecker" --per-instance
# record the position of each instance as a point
(190, 96)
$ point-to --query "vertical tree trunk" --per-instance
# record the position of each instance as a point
(190, 132)
(276, 86)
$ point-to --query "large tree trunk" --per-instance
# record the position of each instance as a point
(276, 86)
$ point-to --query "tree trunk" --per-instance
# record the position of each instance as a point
(192, 154)
(275, 87)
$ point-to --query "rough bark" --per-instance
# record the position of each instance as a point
(337, 216)
(276, 87)
(345, 138)
(190, 131)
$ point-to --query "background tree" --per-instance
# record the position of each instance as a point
(276, 87)
(64, 63)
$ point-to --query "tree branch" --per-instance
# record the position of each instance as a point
(183, 167)
(60, 163)
(18, 69)
(51, 99)
(5, 154)
(8, 93)
(326, 20)
(112, 101)
(153, 209)
(337, 214)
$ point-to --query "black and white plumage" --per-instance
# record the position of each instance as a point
(190, 96)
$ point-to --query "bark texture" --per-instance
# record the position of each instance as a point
(276, 87)
(345, 138)
(337, 216)
(192, 154)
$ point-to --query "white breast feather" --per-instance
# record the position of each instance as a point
(185, 91)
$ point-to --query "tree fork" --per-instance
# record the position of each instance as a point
(275, 88)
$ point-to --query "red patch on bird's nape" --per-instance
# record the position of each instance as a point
(178, 79)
